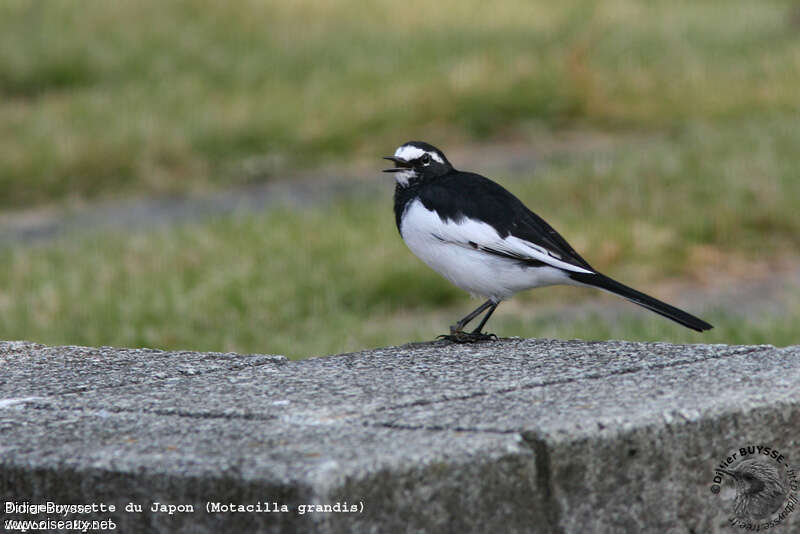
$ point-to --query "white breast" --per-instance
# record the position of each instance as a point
(445, 247)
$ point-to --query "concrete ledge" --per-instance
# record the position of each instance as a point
(510, 436)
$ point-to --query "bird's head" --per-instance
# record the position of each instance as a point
(416, 161)
(760, 489)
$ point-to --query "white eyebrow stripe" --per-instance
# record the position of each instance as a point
(410, 152)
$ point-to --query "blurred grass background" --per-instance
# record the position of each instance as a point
(111, 99)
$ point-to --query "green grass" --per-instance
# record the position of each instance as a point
(328, 282)
(338, 278)
(104, 98)
(115, 98)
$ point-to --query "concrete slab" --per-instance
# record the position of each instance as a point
(31, 369)
(511, 436)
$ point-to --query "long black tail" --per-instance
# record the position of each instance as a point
(637, 297)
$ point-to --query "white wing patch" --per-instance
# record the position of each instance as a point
(485, 236)
(447, 247)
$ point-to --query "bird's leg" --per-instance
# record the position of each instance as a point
(457, 333)
(459, 326)
(486, 318)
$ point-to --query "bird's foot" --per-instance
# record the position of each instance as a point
(457, 336)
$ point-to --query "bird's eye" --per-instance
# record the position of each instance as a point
(425, 159)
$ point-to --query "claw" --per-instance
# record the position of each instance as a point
(467, 337)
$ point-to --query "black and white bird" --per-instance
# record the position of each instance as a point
(484, 240)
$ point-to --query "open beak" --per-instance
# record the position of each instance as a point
(399, 164)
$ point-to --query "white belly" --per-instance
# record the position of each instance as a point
(480, 273)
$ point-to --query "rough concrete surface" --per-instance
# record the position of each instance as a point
(507, 436)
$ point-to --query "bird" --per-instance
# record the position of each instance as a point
(760, 488)
(484, 240)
